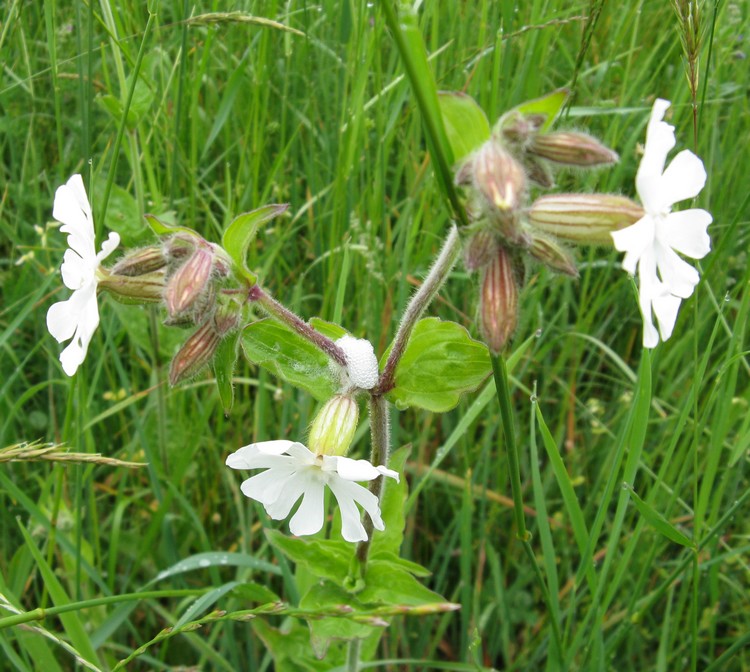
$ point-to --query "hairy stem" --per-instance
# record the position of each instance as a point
(283, 314)
(421, 299)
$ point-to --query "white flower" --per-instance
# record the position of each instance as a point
(292, 471)
(78, 317)
(361, 362)
(653, 241)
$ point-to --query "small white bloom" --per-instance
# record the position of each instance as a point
(292, 471)
(78, 316)
(652, 243)
(362, 364)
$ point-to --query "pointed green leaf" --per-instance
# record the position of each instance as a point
(440, 363)
(292, 358)
(322, 557)
(392, 508)
(657, 520)
(162, 229)
(387, 584)
(223, 365)
(241, 232)
(466, 124)
(549, 105)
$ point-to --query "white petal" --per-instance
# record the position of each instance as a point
(683, 178)
(659, 141)
(266, 486)
(350, 470)
(76, 272)
(301, 454)
(72, 357)
(62, 319)
(109, 245)
(634, 240)
(250, 456)
(345, 493)
(650, 334)
(665, 309)
(310, 515)
(72, 208)
(677, 276)
(297, 485)
(686, 232)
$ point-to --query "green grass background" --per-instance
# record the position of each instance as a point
(229, 116)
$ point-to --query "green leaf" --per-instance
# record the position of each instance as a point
(401, 563)
(324, 558)
(241, 232)
(549, 105)
(466, 124)
(330, 329)
(223, 365)
(254, 593)
(292, 358)
(387, 584)
(122, 214)
(160, 228)
(325, 596)
(205, 602)
(440, 363)
(290, 649)
(143, 98)
(657, 520)
(215, 559)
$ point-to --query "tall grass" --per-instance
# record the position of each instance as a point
(229, 114)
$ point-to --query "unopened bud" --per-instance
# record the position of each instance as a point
(145, 288)
(479, 250)
(333, 429)
(227, 317)
(574, 149)
(498, 177)
(585, 219)
(554, 255)
(519, 128)
(189, 281)
(196, 353)
(180, 246)
(538, 171)
(501, 182)
(498, 302)
(140, 262)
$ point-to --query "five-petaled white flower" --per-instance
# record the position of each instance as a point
(653, 241)
(292, 471)
(78, 316)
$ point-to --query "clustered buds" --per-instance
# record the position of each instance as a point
(521, 152)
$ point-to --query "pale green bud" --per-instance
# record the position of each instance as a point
(140, 262)
(552, 254)
(333, 429)
(585, 219)
(145, 288)
(189, 282)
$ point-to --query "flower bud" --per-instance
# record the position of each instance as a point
(575, 149)
(333, 429)
(554, 255)
(227, 317)
(479, 250)
(585, 219)
(179, 246)
(145, 288)
(189, 281)
(519, 128)
(140, 262)
(501, 182)
(538, 171)
(498, 301)
(195, 353)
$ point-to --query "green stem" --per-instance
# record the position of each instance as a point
(40, 614)
(500, 371)
(503, 395)
(283, 314)
(352, 656)
(380, 436)
(424, 295)
(123, 121)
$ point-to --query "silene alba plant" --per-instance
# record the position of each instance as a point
(348, 570)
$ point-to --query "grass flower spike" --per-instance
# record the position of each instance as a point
(78, 316)
(652, 243)
(292, 471)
